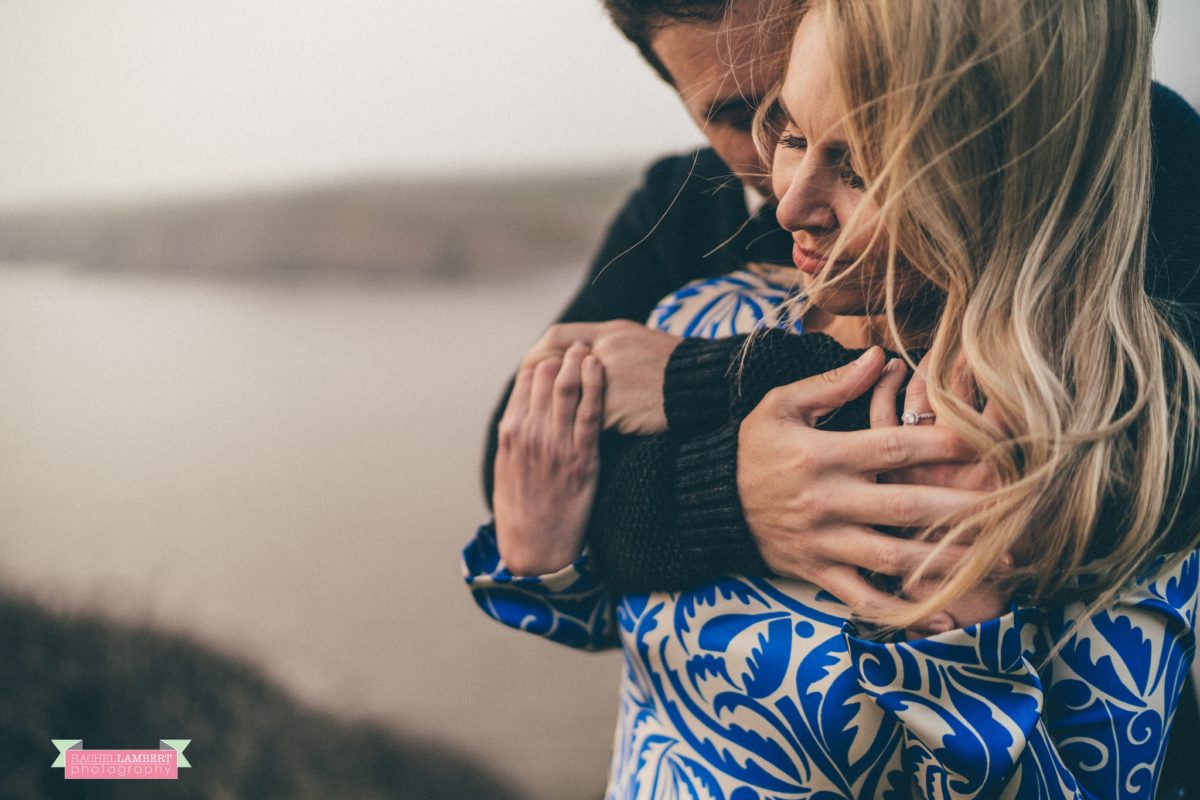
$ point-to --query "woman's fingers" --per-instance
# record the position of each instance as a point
(962, 382)
(916, 394)
(567, 386)
(883, 396)
(518, 400)
(557, 338)
(590, 416)
(542, 392)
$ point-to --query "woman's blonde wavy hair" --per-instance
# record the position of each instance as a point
(1007, 146)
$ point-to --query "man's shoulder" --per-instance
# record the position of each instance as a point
(1169, 104)
(703, 163)
(698, 176)
(1174, 120)
(693, 190)
(1174, 248)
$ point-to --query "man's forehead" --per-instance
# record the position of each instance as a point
(713, 63)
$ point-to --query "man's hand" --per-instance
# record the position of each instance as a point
(810, 496)
(635, 360)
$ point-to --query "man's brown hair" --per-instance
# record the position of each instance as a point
(639, 20)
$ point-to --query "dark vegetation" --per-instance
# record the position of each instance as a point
(117, 686)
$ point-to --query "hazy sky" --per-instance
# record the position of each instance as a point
(146, 97)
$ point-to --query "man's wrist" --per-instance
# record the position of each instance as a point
(696, 383)
(709, 508)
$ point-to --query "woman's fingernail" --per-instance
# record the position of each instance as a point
(892, 366)
(865, 357)
(941, 624)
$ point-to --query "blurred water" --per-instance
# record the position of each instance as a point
(290, 472)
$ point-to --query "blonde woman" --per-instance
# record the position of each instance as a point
(977, 173)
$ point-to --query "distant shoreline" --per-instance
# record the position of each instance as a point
(377, 231)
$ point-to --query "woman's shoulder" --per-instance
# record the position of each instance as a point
(730, 304)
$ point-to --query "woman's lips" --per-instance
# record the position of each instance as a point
(810, 262)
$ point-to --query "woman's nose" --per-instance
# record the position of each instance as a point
(805, 205)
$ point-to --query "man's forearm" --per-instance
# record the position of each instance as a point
(667, 513)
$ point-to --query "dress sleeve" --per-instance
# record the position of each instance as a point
(985, 715)
(568, 606)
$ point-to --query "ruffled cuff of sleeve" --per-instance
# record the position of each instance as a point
(718, 539)
(483, 568)
(697, 382)
(569, 606)
(969, 699)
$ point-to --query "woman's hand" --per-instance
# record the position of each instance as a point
(811, 501)
(974, 474)
(989, 600)
(548, 462)
(635, 360)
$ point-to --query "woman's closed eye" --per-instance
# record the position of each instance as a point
(793, 142)
(845, 171)
(850, 177)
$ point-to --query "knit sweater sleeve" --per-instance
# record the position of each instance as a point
(667, 514)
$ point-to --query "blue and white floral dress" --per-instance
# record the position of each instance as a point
(761, 689)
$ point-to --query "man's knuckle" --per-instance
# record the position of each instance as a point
(816, 509)
(807, 461)
(904, 509)
(867, 607)
(891, 559)
(508, 433)
(894, 450)
(532, 437)
(771, 399)
(588, 415)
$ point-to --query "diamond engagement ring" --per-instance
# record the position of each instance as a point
(911, 417)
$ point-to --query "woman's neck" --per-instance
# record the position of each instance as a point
(862, 332)
(857, 332)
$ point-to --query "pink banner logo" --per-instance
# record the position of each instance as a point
(161, 764)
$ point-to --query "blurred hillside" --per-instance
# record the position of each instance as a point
(115, 685)
(380, 230)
